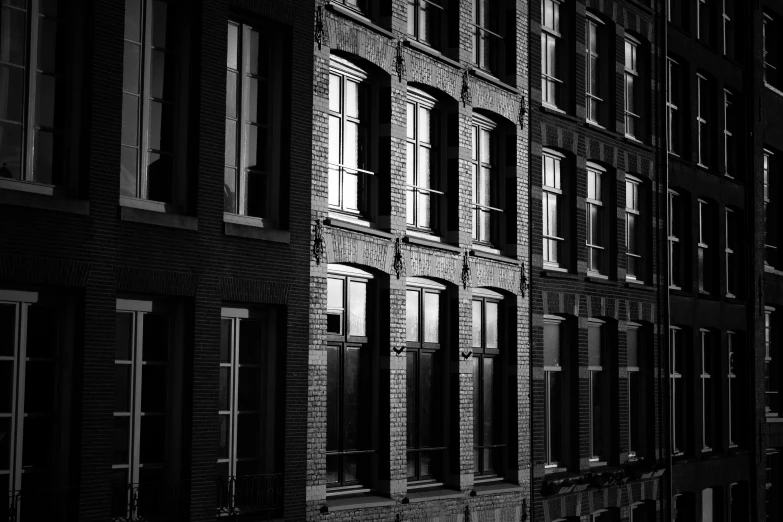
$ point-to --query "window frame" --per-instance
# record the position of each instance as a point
(348, 72)
(558, 242)
(482, 35)
(730, 251)
(707, 388)
(767, 66)
(676, 382)
(729, 145)
(631, 87)
(771, 391)
(549, 77)
(597, 378)
(673, 240)
(638, 229)
(733, 387)
(423, 288)
(672, 105)
(704, 263)
(276, 108)
(482, 124)
(423, 101)
(435, 16)
(702, 127)
(342, 342)
(635, 418)
(594, 115)
(479, 356)
(592, 243)
(554, 439)
(770, 237)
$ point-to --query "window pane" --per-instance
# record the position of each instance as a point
(252, 342)
(11, 150)
(427, 394)
(122, 387)
(160, 16)
(250, 381)
(596, 414)
(351, 391)
(230, 190)
(633, 348)
(130, 120)
(334, 93)
(132, 20)
(412, 315)
(224, 390)
(231, 94)
(12, 36)
(223, 436)
(156, 337)
(332, 397)
(12, 80)
(153, 439)
(6, 389)
(128, 171)
(477, 324)
(488, 428)
(120, 440)
(225, 341)
(334, 293)
(248, 436)
(257, 100)
(424, 125)
(491, 325)
(594, 348)
(357, 294)
(122, 347)
(431, 317)
(154, 384)
(551, 345)
(232, 47)
(351, 99)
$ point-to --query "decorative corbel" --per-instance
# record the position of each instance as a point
(399, 62)
(321, 33)
(522, 111)
(319, 250)
(399, 261)
(465, 96)
(523, 285)
(465, 270)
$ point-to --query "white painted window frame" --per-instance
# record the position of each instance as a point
(550, 77)
(673, 239)
(553, 191)
(549, 463)
(701, 121)
(706, 381)
(591, 242)
(593, 23)
(631, 73)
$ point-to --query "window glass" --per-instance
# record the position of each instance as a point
(412, 315)
(431, 317)
(357, 324)
(551, 344)
(477, 324)
(633, 347)
(491, 312)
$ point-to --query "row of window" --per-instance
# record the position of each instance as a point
(711, 504)
(707, 274)
(715, 21)
(561, 390)
(559, 225)
(708, 131)
(708, 385)
(557, 70)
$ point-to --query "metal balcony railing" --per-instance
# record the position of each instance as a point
(150, 502)
(258, 495)
(39, 504)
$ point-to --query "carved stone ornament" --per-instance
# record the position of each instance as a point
(522, 111)
(399, 62)
(399, 261)
(319, 249)
(523, 285)
(465, 270)
(465, 96)
(321, 33)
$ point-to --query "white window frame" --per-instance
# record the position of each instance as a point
(729, 250)
(706, 382)
(700, 4)
(482, 211)
(273, 102)
(766, 23)
(633, 370)
(674, 241)
(593, 23)
(728, 135)
(347, 71)
(422, 101)
(549, 463)
(636, 185)
(703, 247)
(631, 87)
(553, 192)
(593, 243)
(767, 200)
(549, 77)
(675, 380)
(770, 386)
(731, 381)
(671, 107)
(595, 373)
(427, 10)
(701, 122)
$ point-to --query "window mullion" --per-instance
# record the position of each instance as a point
(137, 354)
(32, 72)
(243, 112)
(146, 49)
(17, 407)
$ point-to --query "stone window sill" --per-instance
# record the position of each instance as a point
(415, 240)
(357, 227)
(438, 493)
(35, 195)
(155, 213)
(477, 252)
(497, 487)
(359, 18)
(426, 49)
(362, 501)
(253, 228)
(558, 273)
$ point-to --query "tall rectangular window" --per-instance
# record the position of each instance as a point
(704, 266)
(596, 236)
(733, 388)
(485, 180)
(633, 229)
(553, 202)
(772, 485)
(732, 267)
(349, 391)
(703, 21)
(598, 398)
(424, 381)
(703, 132)
(488, 438)
(551, 82)
(422, 161)
(636, 410)
(673, 228)
(553, 393)
(632, 86)
(728, 28)
(425, 20)
(349, 177)
(770, 211)
(729, 143)
(673, 107)
(487, 34)
(254, 103)
(33, 372)
(676, 370)
(149, 112)
(147, 402)
(770, 42)
(34, 38)
(707, 406)
(771, 401)
(593, 73)
(250, 409)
